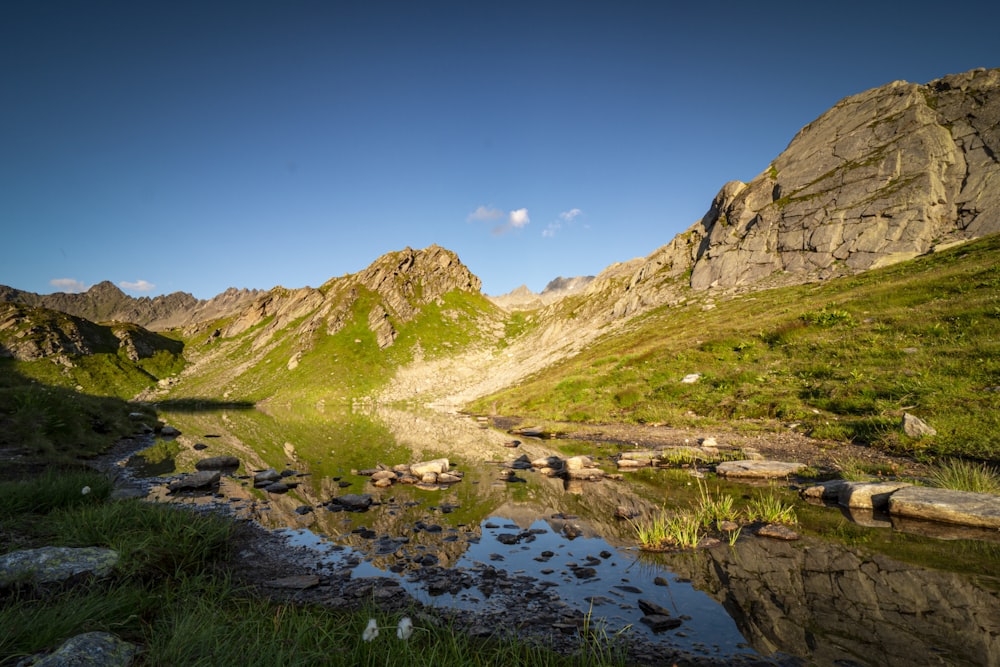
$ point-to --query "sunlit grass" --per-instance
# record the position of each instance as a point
(965, 476)
(770, 508)
(842, 360)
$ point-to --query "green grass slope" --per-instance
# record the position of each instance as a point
(843, 360)
(339, 367)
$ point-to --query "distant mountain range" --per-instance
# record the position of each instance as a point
(106, 303)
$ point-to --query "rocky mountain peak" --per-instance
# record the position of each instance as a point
(104, 289)
(408, 279)
(881, 177)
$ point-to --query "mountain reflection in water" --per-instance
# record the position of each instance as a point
(819, 600)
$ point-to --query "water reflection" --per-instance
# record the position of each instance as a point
(832, 603)
(819, 600)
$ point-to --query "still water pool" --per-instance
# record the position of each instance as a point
(842, 594)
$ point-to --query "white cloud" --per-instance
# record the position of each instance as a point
(485, 213)
(518, 218)
(570, 214)
(566, 217)
(68, 285)
(138, 286)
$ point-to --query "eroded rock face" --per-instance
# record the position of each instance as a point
(881, 177)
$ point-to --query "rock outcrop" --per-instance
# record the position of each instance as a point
(28, 333)
(883, 176)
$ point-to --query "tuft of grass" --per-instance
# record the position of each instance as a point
(665, 531)
(858, 470)
(153, 540)
(55, 489)
(712, 509)
(770, 508)
(963, 475)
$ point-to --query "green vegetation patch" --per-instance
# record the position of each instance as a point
(842, 360)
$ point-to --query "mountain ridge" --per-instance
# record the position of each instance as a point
(883, 176)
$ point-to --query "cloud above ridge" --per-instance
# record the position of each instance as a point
(68, 285)
(484, 213)
(138, 286)
(516, 219)
(565, 218)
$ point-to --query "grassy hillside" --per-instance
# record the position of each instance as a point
(842, 360)
(338, 367)
(56, 423)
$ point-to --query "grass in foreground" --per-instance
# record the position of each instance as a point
(171, 594)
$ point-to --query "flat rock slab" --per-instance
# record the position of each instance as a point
(91, 648)
(777, 531)
(196, 480)
(869, 495)
(218, 463)
(965, 508)
(759, 469)
(295, 582)
(49, 565)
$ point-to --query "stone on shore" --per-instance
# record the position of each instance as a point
(49, 565)
(197, 480)
(437, 466)
(868, 495)
(825, 491)
(966, 508)
(90, 648)
(759, 469)
(218, 463)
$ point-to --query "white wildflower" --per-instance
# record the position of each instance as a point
(85, 490)
(405, 628)
(371, 632)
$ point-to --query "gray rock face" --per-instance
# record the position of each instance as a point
(48, 565)
(218, 463)
(883, 176)
(868, 495)
(879, 178)
(915, 427)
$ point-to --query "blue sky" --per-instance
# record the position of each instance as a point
(194, 146)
